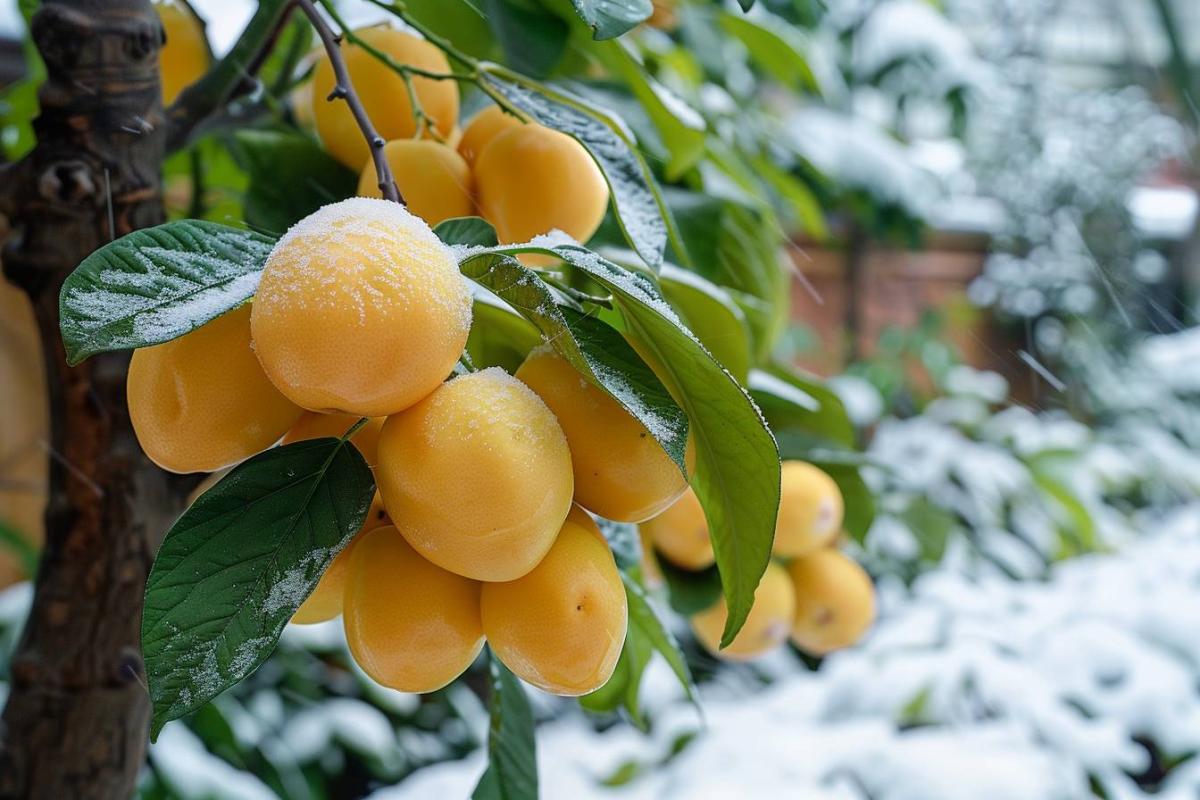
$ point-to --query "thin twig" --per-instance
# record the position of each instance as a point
(344, 89)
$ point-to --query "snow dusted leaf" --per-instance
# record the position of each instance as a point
(737, 460)
(157, 284)
(644, 622)
(611, 18)
(592, 346)
(640, 208)
(239, 562)
(512, 755)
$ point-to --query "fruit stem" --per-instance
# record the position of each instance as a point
(344, 89)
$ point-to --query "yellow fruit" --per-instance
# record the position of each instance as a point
(766, 627)
(318, 426)
(810, 510)
(202, 402)
(483, 127)
(325, 602)
(477, 476)
(433, 179)
(621, 472)
(410, 624)
(532, 180)
(835, 601)
(24, 428)
(185, 56)
(681, 533)
(665, 16)
(383, 94)
(562, 626)
(361, 309)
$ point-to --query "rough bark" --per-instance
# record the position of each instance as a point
(76, 719)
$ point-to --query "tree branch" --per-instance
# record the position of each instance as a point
(225, 80)
(344, 89)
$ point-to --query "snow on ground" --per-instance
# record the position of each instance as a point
(968, 689)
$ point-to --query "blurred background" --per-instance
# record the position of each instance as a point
(995, 259)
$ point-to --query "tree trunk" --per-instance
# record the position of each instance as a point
(76, 719)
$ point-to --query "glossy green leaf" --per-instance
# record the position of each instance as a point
(462, 22)
(236, 566)
(644, 620)
(512, 752)
(155, 285)
(467, 232)
(690, 591)
(592, 347)
(640, 209)
(712, 315)
(765, 39)
(795, 403)
(533, 39)
(291, 176)
(611, 18)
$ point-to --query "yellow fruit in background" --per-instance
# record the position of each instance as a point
(477, 476)
(621, 472)
(185, 56)
(810, 510)
(433, 179)
(325, 602)
(766, 627)
(361, 309)
(835, 601)
(562, 626)
(410, 624)
(665, 16)
(317, 426)
(24, 428)
(383, 94)
(681, 533)
(482, 129)
(532, 180)
(202, 402)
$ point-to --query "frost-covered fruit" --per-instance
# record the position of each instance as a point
(361, 309)
(835, 601)
(383, 94)
(621, 471)
(562, 626)
(411, 625)
(325, 602)
(532, 180)
(680, 533)
(185, 55)
(318, 426)
(477, 476)
(482, 129)
(766, 627)
(810, 510)
(433, 179)
(202, 402)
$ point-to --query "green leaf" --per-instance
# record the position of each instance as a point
(512, 755)
(649, 627)
(533, 40)
(291, 176)
(712, 315)
(637, 200)
(771, 50)
(467, 232)
(856, 496)
(236, 566)
(690, 592)
(500, 337)
(746, 4)
(609, 19)
(593, 347)
(737, 461)
(681, 128)
(155, 285)
(794, 403)
(462, 22)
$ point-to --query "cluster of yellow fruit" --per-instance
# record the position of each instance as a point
(523, 178)
(185, 55)
(824, 599)
(361, 312)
